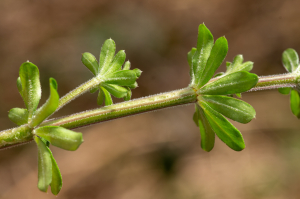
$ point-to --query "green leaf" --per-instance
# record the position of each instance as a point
(90, 62)
(121, 78)
(238, 65)
(204, 45)
(128, 96)
(19, 85)
(295, 103)
(232, 108)
(29, 75)
(44, 165)
(49, 107)
(93, 90)
(237, 82)
(126, 65)
(19, 116)
(207, 133)
(190, 56)
(107, 98)
(239, 95)
(219, 74)
(138, 72)
(115, 90)
(60, 137)
(133, 86)
(196, 118)
(56, 183)
(290, 60)
(217, 56)
(223, 128)
(116, 63)
(285, 90)
(106, 55)
(101, 97)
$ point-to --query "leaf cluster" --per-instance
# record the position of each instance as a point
(114, 80)
(290, 60)
(29, 88)
(215, 99)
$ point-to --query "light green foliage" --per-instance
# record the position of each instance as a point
(60, 137)
(29, 87)
(113, 79)
(290, 60)
(213, 98)
(213, 104)
(18, 115)
(44, 165)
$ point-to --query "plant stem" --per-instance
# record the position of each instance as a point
(275, 81)
(78, 91)
(22, 134)
(132, 107)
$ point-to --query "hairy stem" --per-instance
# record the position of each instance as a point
(22, 134)
(83, 88)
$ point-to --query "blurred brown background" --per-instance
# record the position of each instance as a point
(154, 155)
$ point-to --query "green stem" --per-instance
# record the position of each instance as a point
(275, 81)
(168, 99)
(83, 88)
(22, 134)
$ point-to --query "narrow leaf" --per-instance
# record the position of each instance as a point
(128, 96)
(285, 90)
(223, 128)
(217, 56)
(19, 116)
(121, 78)
(107, 98)
(295, 103)
(196, 118)
(137, 71)
(115, 90)
(190, 56)
(93, 90)
(29, 75)
(101, 97)
(290, 60)
(116, 63)
(19, 85)
(49, 107)
(106, 55)
(204, 45)
(60, 137)
(44, 165)
(90, 62)
(232, 108)
(237, 82)
(133, 86)
(207, 133)
(56, 183)
(126, 65)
